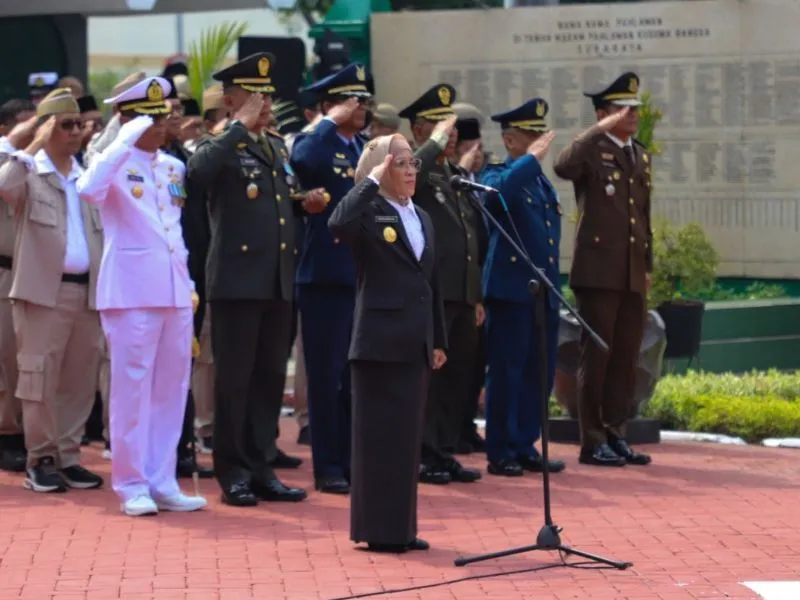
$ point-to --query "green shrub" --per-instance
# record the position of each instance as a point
(752, 406)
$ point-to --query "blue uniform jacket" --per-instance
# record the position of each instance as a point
(536, 212)
(320, 158)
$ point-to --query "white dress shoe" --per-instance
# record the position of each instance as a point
(139, 506)
(181, 503)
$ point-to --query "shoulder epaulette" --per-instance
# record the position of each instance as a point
(274, 133)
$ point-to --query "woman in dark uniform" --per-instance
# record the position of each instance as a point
(398, 337)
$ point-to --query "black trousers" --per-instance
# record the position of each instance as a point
(468, 428)
(451, 387)
(249, 344)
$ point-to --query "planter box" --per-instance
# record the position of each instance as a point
(745, 335)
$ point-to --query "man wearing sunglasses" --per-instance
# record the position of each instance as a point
(325, 157)
(433, 122)
(57, 256)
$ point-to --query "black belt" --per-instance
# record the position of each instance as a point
(6, 262)
(75, 278)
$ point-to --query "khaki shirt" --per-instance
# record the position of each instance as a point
(40, 208)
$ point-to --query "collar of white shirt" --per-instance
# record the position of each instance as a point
(618, 141)
(45, 166)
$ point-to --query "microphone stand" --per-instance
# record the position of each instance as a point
(548, 538)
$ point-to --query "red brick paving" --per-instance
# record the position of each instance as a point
(697, 522)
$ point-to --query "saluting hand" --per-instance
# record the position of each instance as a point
(468, 158)
(608, 123)
(541, 145)
(379, 172)
(22, 133)
(250, 111)
(342, 112)
(439, 358)
(316, 200)
(42, 135)
(446, 126)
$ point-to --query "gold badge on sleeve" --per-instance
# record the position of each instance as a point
(389, 234)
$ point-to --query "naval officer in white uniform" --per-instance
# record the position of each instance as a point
(146, 300)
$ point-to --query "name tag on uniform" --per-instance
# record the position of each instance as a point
(386, 219)
(248, 161)
(606, 156)
(135, 177)
(341, 162)
(176, 190)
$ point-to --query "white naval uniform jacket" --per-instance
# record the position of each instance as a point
(144, 263)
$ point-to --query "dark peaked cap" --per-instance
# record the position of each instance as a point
(468, 129)
(251, 73)
(528, 117)
(434, 105)
(623, 92)
(190, 107)
(350, 81)
(87, 103)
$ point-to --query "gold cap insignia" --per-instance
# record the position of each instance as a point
(263, 66)
(539, 109)
(633, 85)
(154, 92)
(361, 73)
(444, 96)
(389, 234)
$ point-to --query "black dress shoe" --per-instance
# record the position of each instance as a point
(304, 436)
(332, 485)
(284, 461)
(13, 460)
(389, 548)
(419, 544)
(535, 464)
(433, 474)
(239, 494)
(602, 456)
(621, 448)
(507, 468)
(459, 472)
(186, 469)
(274, 491)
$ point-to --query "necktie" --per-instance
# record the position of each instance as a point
(267, 148)
(353, 148)
(629, 155)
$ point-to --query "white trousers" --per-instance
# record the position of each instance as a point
(151, 357)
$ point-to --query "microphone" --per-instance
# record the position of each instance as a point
(462, 183)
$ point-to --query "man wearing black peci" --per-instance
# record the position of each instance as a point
(250, 283)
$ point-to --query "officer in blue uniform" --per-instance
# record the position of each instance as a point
(326, 157)
(530, 211)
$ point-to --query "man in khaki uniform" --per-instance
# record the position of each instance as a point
(611, 265)
(12, 441)
(56, 258)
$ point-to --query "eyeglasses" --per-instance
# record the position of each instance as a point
(408, 163)
(70, 124)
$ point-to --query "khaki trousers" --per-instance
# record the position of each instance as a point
(300, 403)
(203, 373)
(10, 407)
(58, 352)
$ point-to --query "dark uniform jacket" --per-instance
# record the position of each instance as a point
(322, 159)
(251, 254)
(196, 233)
(613, 239)
(457, 226)
(534, 213)
(399, 311)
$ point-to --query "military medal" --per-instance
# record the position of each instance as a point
(389, 234)
(616, 175)
(610, 189)
(440, 196)
(137, 191)
(252, 191)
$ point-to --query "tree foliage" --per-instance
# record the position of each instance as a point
(207, 54)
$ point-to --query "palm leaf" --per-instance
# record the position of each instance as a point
(208, 53)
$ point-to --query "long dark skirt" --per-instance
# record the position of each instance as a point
(388, 419)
